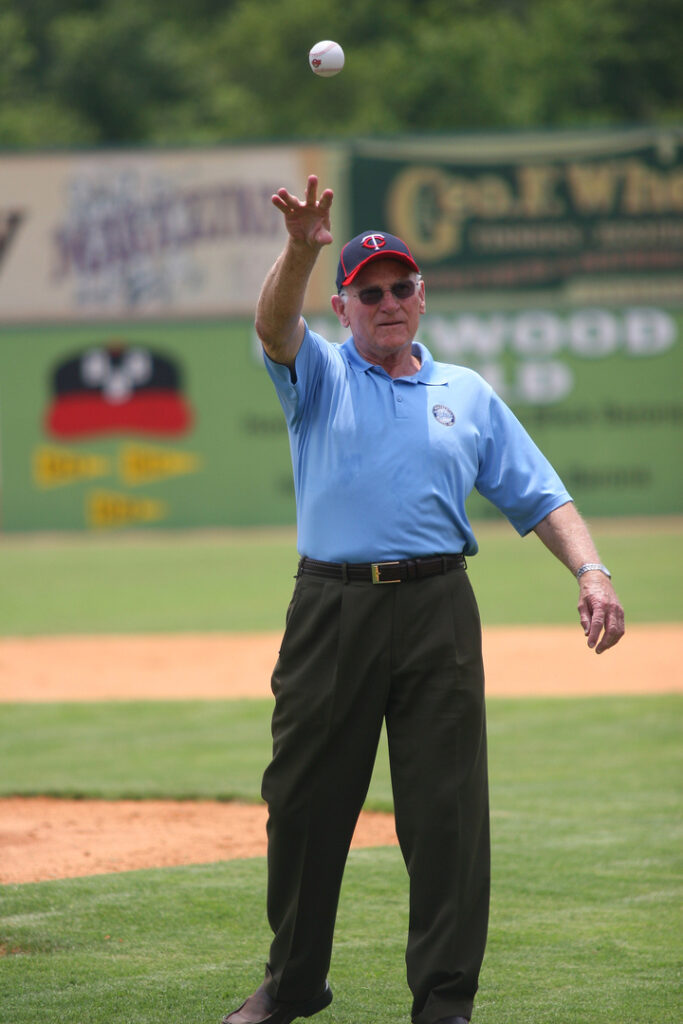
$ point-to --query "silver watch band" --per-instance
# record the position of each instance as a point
(593, 565)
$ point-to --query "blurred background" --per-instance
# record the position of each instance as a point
(530, 153)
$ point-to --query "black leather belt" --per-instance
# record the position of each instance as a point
(383, 572)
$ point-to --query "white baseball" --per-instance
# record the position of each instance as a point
(326, 58)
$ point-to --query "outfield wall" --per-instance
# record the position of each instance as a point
(131, 386)
(217, 453)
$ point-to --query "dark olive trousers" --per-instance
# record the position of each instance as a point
(355, 655)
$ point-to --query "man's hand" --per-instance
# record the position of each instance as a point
(307, 221)
(565, 533)
(600, 611)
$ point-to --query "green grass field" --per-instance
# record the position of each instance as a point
(242, 581)
(586, 804)
(586, 867)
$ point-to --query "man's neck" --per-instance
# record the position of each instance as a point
(405, 363)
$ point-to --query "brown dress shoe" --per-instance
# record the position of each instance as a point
(261, 1008)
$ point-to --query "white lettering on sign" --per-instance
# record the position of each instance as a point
(536, 334)
(587, 333)
(648, 332)
(521, 354)
(593, 333)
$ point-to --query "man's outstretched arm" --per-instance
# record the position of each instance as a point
(278, 312)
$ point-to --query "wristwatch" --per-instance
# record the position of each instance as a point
(593, 565)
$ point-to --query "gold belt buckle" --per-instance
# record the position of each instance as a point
(376, 570)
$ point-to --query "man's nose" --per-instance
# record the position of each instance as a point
(388, 298)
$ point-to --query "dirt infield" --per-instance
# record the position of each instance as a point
(44, 838)
(520, 662)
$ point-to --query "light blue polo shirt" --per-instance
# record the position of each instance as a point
(382, 467)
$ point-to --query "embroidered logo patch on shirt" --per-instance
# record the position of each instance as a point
(443, 415)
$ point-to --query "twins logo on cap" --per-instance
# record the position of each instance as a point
(374, 242)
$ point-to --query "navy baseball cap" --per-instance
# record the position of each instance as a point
(368, 246)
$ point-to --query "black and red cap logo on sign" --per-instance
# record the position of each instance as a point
(117, 388)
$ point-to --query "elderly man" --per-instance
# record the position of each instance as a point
(383, 625)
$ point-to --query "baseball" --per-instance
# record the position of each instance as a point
(326, 58)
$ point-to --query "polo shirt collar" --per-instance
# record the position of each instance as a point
(428, 373)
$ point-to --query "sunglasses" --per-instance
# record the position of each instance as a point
(400, 290)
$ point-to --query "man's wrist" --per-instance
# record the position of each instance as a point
(593, 567)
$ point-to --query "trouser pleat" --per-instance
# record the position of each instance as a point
(437, 745)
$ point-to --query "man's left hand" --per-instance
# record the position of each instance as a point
(600, 611)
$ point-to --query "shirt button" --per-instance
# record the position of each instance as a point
(399, 399)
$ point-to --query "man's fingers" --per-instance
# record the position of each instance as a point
(326, 199)
(614, 629)
(602, 618)
(290, 204)
(596, 623)
(285, 201)
(311, 189)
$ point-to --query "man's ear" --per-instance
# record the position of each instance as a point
(339, 307)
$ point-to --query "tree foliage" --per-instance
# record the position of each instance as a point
(113, 72)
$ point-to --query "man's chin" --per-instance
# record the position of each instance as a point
(392, 336)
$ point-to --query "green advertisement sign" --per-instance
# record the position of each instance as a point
(174, 425)
(144, 425)
(599, 390)
(572, 215)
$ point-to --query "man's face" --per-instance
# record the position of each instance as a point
(383, 331)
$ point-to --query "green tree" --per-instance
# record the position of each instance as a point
(111, 72)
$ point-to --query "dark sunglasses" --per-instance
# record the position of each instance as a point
(400, 290)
